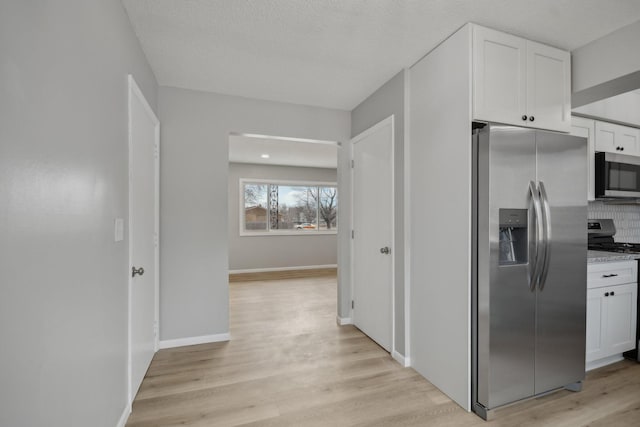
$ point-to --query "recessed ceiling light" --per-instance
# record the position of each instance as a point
(264, 156)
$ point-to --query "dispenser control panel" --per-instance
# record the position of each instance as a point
(513, 236)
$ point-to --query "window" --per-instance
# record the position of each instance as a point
(288, 207)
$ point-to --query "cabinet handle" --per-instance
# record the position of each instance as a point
(531, 118)
(606, 276)
(606, 294)
(612, 293)
(621, 148)
(134, 271)
(524, 117)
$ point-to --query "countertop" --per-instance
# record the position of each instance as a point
(602, 256)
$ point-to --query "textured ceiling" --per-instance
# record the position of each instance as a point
(334, 53)
(285, 152)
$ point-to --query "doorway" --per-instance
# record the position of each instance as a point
(283, 213)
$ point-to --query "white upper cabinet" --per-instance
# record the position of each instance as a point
(586, 129)
(548, 87)
(499, 69)
(618, 139)
(520, 82)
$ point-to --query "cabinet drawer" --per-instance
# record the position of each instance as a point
(611, 273)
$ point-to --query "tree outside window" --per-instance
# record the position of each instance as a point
(272, 207)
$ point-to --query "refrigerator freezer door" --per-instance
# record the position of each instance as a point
(561, 305)
(505, 302)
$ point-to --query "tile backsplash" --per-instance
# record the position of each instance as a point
(625, 217)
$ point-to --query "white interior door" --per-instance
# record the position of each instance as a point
(373, 232)
(143, 235)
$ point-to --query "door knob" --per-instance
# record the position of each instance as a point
(139, 271)
(385, 250)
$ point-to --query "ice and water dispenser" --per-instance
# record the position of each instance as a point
(513, 241)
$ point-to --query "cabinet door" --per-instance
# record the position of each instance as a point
(548, 87)
(613, 138)
(620, 325)
(596, 313)
(499, 72)
(586, 129)
(630, 140)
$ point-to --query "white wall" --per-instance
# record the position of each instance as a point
(440, 208)
(193, 199)
(270, 251)
(63, 180)
(387, 100)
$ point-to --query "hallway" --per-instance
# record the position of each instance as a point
(288, 364)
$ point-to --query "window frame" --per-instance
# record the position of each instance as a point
(292, 183)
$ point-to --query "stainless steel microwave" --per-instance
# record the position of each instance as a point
(617, 176)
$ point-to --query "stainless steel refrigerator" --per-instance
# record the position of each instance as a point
(530, 254)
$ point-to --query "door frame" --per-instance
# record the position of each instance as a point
(134, 90)
(388, 121)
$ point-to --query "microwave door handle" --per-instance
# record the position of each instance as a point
(534, 260)
(547, 236)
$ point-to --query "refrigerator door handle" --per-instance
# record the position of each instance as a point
(547, 236)
(536, 259)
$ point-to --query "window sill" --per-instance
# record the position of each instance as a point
(287, 233)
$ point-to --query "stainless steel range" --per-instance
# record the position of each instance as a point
(601, 232)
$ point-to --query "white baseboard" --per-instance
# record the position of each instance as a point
(604, 362)
(267, 270)
(204, 339)
(404, 361)
(124, 417)
(343, 321)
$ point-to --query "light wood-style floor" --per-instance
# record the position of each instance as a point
(289, 364)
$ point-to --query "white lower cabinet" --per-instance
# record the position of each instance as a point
(611, 312)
